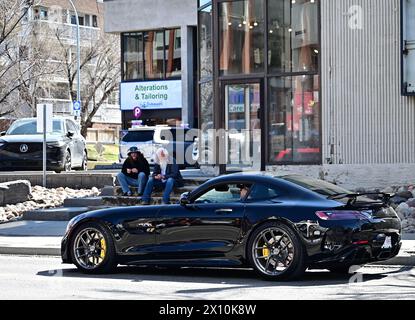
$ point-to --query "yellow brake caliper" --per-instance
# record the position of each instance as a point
(265, 252)
(103, 248)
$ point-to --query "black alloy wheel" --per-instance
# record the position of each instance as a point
(92, 249)
(84, 166)
(276, 252)
(67, 165)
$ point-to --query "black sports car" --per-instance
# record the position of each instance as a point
(279, 226)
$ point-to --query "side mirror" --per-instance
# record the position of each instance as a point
(70, 134)
(184, 199)
(3, 133)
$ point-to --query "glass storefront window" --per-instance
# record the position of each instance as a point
(205, 43)
(206, 105)
(293, 33)
(173, 53)
(241, 36)
(133, 56)
(294, 119)
(206, 135)
(154, 54)
(289, 30)
(203, 2)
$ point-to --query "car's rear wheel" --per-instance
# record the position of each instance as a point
(92, 249)
(276, 252)
(84, 166)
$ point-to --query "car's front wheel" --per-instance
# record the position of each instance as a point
(276, 252)
(92, 249)
(67, 165)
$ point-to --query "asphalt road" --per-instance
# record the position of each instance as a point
(46, 278)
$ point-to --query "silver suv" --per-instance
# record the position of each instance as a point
(148, 139)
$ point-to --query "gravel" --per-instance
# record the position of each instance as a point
(43, 198)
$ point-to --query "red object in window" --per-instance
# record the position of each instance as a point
(288, 151)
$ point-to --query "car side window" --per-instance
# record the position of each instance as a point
(224, 193)
(263, 192)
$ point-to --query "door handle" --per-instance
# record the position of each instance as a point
(223, 211)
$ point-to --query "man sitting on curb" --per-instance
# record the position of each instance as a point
(135, 172)
(166, 175)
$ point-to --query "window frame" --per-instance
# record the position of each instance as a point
(267, 185)
(194, 197)
(266, 75)
(164, 76)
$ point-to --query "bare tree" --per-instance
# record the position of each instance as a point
(102, 79)
(16, 70)
(100, 72)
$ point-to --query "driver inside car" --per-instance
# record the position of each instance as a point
(244, 190)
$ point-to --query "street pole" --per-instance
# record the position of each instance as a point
(44, 145)
(78, 54)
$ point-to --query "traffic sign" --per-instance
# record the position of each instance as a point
(76, 105)
(137, 112)
(44, 117)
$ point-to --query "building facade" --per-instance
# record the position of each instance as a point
(159, 59)
(317, 87)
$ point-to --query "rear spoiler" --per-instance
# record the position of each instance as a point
(383, 197)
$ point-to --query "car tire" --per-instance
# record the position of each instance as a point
(67, 162)
(84, 165)
(276, 253)
(100, 261)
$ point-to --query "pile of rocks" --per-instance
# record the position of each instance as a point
(43, 198)
(404, 204)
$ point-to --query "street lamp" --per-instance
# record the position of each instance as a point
(78, 54)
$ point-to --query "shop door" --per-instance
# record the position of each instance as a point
(243, 126)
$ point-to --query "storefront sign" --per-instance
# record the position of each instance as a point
(151, 95)
(236, 108)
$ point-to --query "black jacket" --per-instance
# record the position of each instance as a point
(172, 171)
(141, 165)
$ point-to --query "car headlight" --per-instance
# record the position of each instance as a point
(58, 144)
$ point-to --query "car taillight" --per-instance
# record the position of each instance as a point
(342, 215)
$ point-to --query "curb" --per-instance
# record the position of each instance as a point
(30, 251)
(397, 261)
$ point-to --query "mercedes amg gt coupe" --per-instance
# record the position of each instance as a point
(279, 226)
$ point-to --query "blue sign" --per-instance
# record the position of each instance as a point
(77, 105)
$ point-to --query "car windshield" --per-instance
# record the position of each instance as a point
(139, 136)
(322, 187)
(26, 127)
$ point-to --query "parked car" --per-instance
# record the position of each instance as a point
(149, 138)
(21, 147)
(280, 227)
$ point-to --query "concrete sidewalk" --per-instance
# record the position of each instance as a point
(44, 237)
(32, 237)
